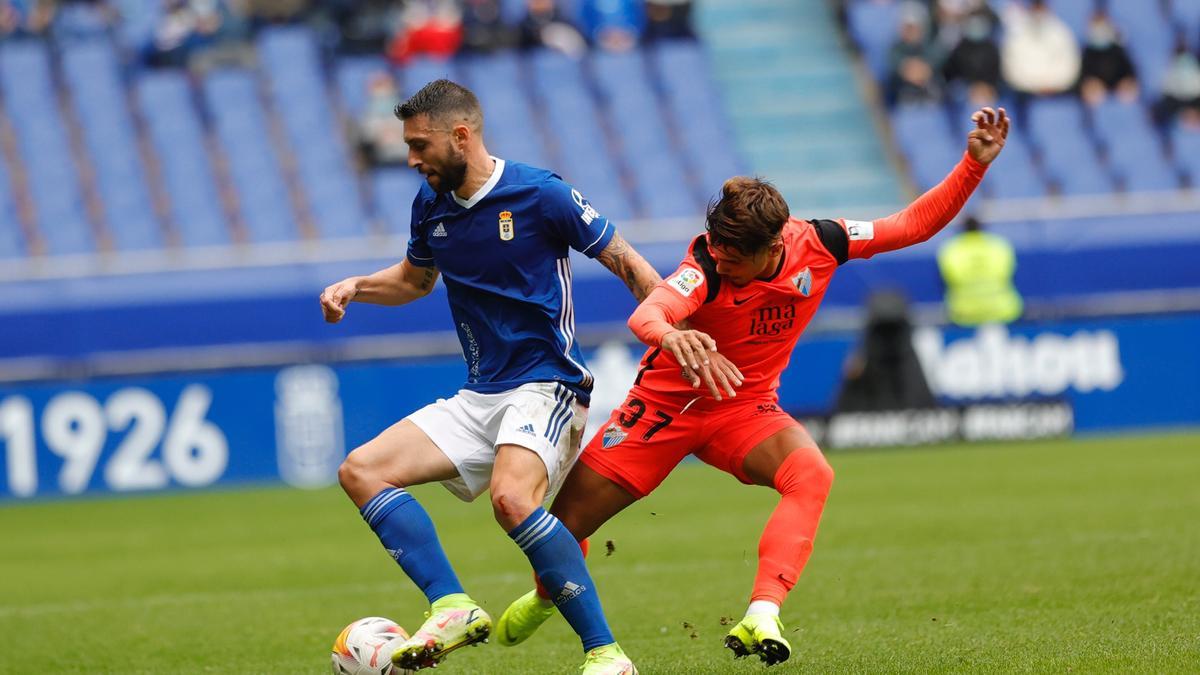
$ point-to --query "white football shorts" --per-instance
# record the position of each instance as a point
(468, 427)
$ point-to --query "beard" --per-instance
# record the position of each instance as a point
(451, 176)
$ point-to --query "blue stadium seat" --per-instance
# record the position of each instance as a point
(697, 113)
(91, 71)
(421, 71)
(354, 73)
(393, 192)
(1076, 14)
(509, 127)
(32, 105)
(12, 241)
(873, 26)
(292, 69)
(658, 173)
(584, 158)
(164, 100)
(263, 199)
(1140, 166)
(1186, 16)
(1185, 143)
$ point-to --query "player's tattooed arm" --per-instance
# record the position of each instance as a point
(629, 266)
(399, 284)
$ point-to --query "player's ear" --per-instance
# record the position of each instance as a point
(462, 134)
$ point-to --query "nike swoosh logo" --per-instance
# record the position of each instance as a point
(743, 300)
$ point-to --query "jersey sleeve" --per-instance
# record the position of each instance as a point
(419, 252)
(922, 219)
(572, 218)
(673, 300)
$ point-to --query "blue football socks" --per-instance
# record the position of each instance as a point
(558, 562)
(407, 533)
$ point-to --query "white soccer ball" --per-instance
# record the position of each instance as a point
(365, 647)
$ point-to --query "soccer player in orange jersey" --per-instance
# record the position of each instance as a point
(748, 287)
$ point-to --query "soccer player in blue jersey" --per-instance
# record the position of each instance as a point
(498, 233)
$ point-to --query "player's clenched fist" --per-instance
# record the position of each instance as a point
(335, 298)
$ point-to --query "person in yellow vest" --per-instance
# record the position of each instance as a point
(978, 268)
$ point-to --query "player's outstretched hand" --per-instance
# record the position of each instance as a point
(335, 298)
(720, 375)
(986, 140)
(689, 347)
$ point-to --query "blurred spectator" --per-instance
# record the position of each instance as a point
(429, 28)
(1039, 55)
(365, 26)
(277, 11)
(26, 18)
(1106, 65)
(668, 20)
(201, 34)
(613, 25)
(379, 134)
(974, 63)
(484, 29)
(884, 373)
(951, 16)
(1181, 88)
(915, 74)
(977, 268)
(545, 25)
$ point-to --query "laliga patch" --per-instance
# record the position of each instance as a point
(803, 282)
(506, 226)
(688, 280)
(860, 229)
(613, 436)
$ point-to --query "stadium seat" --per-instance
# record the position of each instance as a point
(293, 72)
(1076, 14)
(98, 95)
(12, 241)
(393, 191)
(32, 106)
(874, 25)
(1185, 143)
(241, 127)
(164, 99)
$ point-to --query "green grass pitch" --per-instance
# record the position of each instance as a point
(1070, 556)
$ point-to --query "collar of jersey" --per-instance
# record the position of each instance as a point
(484, 190)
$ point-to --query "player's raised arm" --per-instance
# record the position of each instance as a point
(656, 323)
(933, 210)
(629, 266)
(396, 285)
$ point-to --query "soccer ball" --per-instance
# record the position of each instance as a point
(365, 647)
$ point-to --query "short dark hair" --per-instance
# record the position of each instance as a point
(443, 100)
(748, 216)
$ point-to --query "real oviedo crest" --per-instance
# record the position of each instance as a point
(506, 226)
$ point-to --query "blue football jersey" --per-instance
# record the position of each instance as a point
(503, 255)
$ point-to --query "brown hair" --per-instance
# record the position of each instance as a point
(747, 217)
(444, 101)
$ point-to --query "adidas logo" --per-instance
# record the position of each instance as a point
(440, 230)
(395, 553)
(570, 591)
(526, 429)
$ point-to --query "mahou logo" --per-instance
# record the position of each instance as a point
(995, 364)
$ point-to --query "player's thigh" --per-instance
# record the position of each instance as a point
(587, 500)
(751, 440)
(401, 455)
(641, 443)
(762, 462)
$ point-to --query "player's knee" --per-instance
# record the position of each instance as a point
(511, 506)
(806, 470)
(354, 474)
